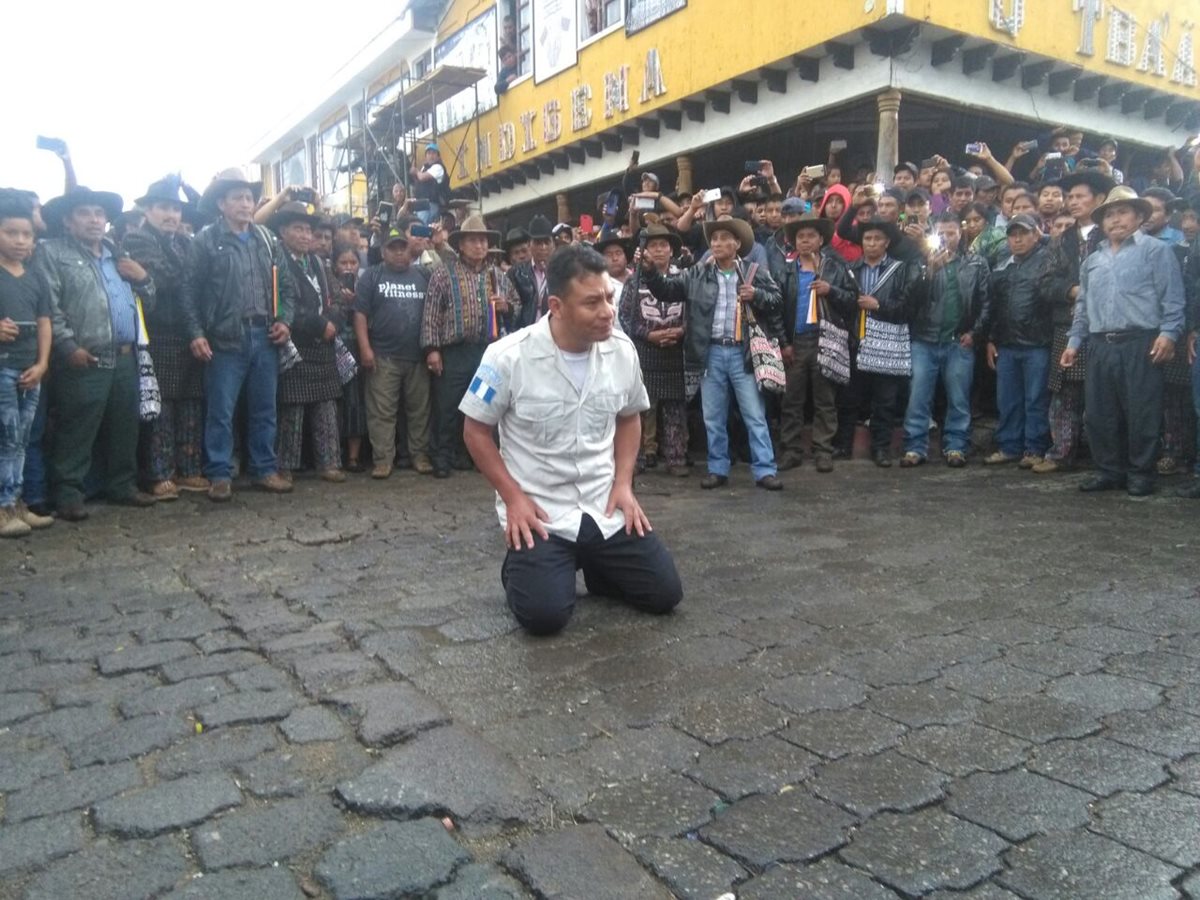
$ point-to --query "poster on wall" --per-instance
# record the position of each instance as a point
(472, 46)
(294, 168)
(640, 13)
(554, 43)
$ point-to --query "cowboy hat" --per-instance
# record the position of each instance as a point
(540, 228)
(1097, 181)
(473, 224)
(739, 228)
(54, 211)
(614, 239)
(1122, 194)
(514, 237)
(661, 232)
(892, 232)
(1172, 203)
(292, 211)
(223, 183)
(166, 190)
(823, 226)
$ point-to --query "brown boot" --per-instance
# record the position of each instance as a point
(220, 491)
(333, 476)
(11, 525)
(30, 518)
(165, 490)
(194, 483)
(274, 484)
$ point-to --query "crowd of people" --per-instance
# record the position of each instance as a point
(202, 335)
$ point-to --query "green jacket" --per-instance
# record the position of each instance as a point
(80, 302)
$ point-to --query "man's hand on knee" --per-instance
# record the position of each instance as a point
(525, 519)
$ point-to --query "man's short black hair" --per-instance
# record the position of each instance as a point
(775, 198)
(15, 205)
(569, 262)
(962, 182)
(1019, 186)
(947, 218)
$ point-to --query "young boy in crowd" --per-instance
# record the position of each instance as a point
(25, 336)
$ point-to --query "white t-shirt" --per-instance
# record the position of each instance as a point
(438, 171)
(577, 366)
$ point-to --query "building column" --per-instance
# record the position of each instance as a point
(684, 182)
(887, 153)
(564, 208)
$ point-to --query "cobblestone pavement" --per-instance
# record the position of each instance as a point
(880, 684)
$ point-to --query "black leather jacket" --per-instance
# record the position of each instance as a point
(1060, 271)
(1020, 313)
(526, 303)
(973, 284)
(163, 256)
(900, 294)
(842, 300)
(217, 282)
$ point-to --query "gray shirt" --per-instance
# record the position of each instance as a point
(1137, 286)
(725, 315)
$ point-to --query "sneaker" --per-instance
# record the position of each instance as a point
(999, 458)
(824, 464)
(1101, 483)
(882, 458)
(911, 460)
(11, 525)
(381, 471)
(1167, 466)
(194, 483)
(165, 490)
(1048, 467)
(711, 481)
(333, 476)
(30, 518)
(274, 484)
(220, 491)
(422, 464)
(956, 459)
(770, 483)
(1029, 460)
(73, 512)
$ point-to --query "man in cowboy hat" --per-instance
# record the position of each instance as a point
(238, 298)
(465, 307)
(432, 184)
(517, 246)
(526, 289)
(172, 442)
(720, 296)
(617, 252)
(565, 395)
(815, 283)
(95, 390)
(1131, 314)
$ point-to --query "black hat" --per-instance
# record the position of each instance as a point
(1168, 198)
(822, 225)
(1097, 181)
(1025, 221)
(514, 237)
(907, 167)
(55, 210)
(292, 211)
(892, 232)
(540, 227)
(614, 239)
(661, 232)
(166, 190)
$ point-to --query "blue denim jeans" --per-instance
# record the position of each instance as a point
(17, 409)
(727, 370)
(1023, 395)
(256, 367)
(427, 216)
(955, 366)
(35, 491)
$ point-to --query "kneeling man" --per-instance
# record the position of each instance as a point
(566, 394)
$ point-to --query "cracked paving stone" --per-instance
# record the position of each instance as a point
(1163, 823)
(1186, 775)
(396, 859)
(21, 768)
(447, 769)
(1054, 659)
(167, 806)
(48, 677)
(1039, 719)
(1158, 730)
(925, 850)
(105, 690)
(213, 664)
(112, 870)
(806, 693)
(144, 656)
(390, 713)
(787, 827)
(923, 704)
(174, 697)
(238, 884)
(825, 880)
(330, 672)
(1186, 697)
(836, 733)
(36, 842)
(260, 678)
(1107, 639)
(738, 768)
(72, 790)
(987, 891)
(215, 750)
(991, 680)
(1159, 666)
(248, 708)
(1105, 693)
(691, 869)
(187, 626)
(129, 739)
(963, 749)
(21, 705)
(868, 784)
(715, 720)
(320, 637)
(219, 641)
(1099, 765)
(264, 836)
(581, 861)
(1018, 804)
(634, 752)
(1191, 886)
(482, 882)
(67, 725)
(660, 806)
(1073, 864)
(310, 724)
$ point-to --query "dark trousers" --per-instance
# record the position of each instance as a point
(459, 363)
(1123, 397)
(887, 410)
(802, 373)
(95, 408)
(540, 582)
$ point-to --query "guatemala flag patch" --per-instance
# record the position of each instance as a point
(482, 390)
